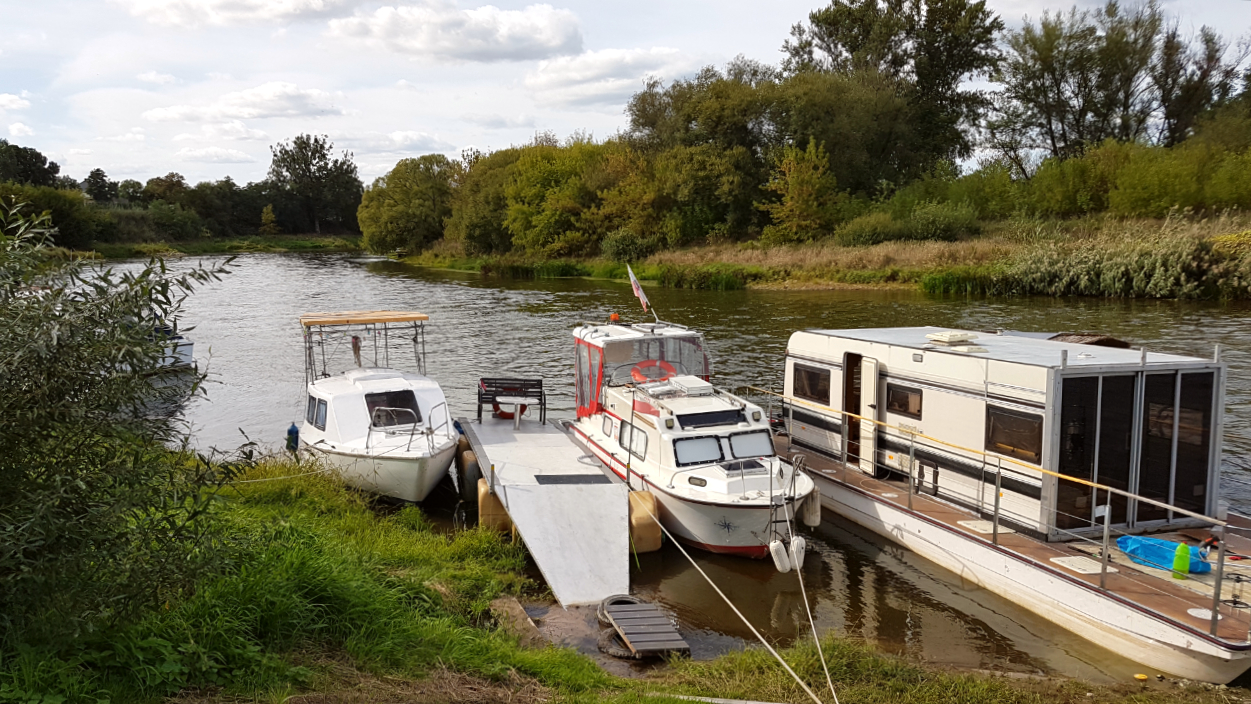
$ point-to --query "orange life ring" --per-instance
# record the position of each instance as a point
(637, 372)
(507, 415)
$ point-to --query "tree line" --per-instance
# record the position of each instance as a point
(308, 187)
(857, 134)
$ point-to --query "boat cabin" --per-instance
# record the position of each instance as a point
(350, 407)
(965, 405)
(616, 355)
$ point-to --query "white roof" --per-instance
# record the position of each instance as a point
(1012, 347)
(599, 334)
(371, 379)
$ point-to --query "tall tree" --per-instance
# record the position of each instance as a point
(130, 190)
(406, 208)
(1190, 78)
(99, 188)
(328, 188)
(170, 188)
(26, 165)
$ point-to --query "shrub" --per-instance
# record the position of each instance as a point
(1067, 187)
(1157, 181)
(871, 228)
(623, 245)
(1230, 184)
(942, 221)
(75, 222)
(990, 191)
(172, 221)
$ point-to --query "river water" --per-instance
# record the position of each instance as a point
(248, 338)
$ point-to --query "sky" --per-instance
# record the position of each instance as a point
(204, 87)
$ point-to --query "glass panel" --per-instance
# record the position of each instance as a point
(1079, 405)
(1014, 434)
(685, 354)
(581, 388)
(623, 435)
(711, 419)
(320, 420)
(390, 408)
(1116, 440)
(638, 443)
(904, 401)
(697, 450)
(608, 425)
(1157, 444)
(757, 443)
(311, 414)
(1194, 441)
(811, 383)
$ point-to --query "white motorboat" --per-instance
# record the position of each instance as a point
(385, 431)
(648, 412)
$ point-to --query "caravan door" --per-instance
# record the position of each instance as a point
(868, 409)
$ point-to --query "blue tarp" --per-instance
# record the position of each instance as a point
(1157, 553)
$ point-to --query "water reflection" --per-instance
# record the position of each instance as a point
(246, 332)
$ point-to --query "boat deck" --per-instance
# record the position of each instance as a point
(1152, 589)
(573, 517)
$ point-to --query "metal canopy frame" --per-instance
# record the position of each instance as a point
(328, 336)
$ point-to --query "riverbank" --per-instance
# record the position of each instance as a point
(328, 598)
(1176, 258)
(236, 245)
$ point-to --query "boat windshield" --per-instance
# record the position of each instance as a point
(654, 357)
(757, 443)
(393, 408)
(688, 451)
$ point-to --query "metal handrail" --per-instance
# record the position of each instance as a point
(431, 428)
(373, 417)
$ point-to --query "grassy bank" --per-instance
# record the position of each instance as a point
(1174, 258)
(325, 597)
(240, 245)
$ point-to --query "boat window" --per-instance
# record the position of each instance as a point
(608, 425)
(684, 354)
(697, 481)
(711, 419)
(1156, 459)
(811, 383)
(1116, 440)
(633, 439)
(390, 408)
(688, 451)
(757, 443)
(904, 401)
(311, 414)
(1194, 436)
(1079, 412)
(319, 421)
(1014, 433)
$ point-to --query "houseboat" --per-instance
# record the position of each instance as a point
(383, 430)
(1018, 461)
(646, 409)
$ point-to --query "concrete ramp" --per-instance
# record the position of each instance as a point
(573, 517)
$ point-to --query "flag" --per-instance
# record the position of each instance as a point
(638, 289)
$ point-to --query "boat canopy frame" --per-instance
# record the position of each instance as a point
(378, 332)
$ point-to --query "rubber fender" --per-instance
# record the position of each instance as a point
(462, 444)
(601, 612)
(491, 513)
(645, 534)
(799, 547)
(810, 513)
(780, 559)
(470, 473)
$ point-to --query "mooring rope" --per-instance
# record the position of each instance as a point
(811, 621)
(734, 608)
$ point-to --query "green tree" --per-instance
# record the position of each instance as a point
(552, 189)
(328, 188)
(1190, 79)
(479, 208)
(26, 165)
(406, 208)
(807, 195)
(99, 188)
(98, 520)
(269, 221)
(171, 188)
(130, 191)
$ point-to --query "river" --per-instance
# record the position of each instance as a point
(248, 340)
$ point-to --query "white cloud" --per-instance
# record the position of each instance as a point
(17, 129)
(214, 155)
(399, 141)
(79, 152)
(136, 134)
(274, 99)
(224, 130)
(603, 77)
(8, 101)
(500, 122)
(192, 13)
(158, 78)
(442, 30)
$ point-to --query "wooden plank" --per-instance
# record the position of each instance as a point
(622, 608)
(651, 629)
(629, 623)
(361, 317)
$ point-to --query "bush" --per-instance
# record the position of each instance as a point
(623, 245)
(942, 221)
(76, 223)
(990, 191)
(1230, 184)
(175, 222)
(870, 228)
(1157, 181)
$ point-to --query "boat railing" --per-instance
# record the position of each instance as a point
(1001, 467)
(432, 428)
(375, 425)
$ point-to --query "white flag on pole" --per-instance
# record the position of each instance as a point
(638, 289)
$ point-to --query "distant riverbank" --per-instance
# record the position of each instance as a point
(1176, 258)
(231, 245)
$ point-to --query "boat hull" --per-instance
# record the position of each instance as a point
(1117, 625)
(407, 477)
(712, 526)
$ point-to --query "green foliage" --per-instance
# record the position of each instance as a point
(25, 165)
(405, 209)
(172, 221)
(990, 191)
(479, 205)
(1157, 181)
(870, 228)
(99, 188)
(808, 195)
(170, 188)
(551, 189)
(75, 223)
(327, 188)
(130, 191)
(98, 520)
(943, 221)
(624, 245)
(269, 222)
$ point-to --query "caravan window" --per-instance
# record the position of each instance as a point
(1014, 433)
(393, 408)
(811, 383)
(904, 401)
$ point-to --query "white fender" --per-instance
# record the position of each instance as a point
(799, 546)
(810, 512)
(780, 560)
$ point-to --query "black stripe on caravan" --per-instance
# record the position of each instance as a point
(816, 421)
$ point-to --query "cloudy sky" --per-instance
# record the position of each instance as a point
(203, 87)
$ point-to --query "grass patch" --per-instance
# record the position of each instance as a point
(240, 245)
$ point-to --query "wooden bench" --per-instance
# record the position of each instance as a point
(512, 392)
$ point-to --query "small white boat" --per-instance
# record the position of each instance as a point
(648, 412)
(385, 431)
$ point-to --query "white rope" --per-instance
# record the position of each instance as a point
(811, 621)
(729, 603)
